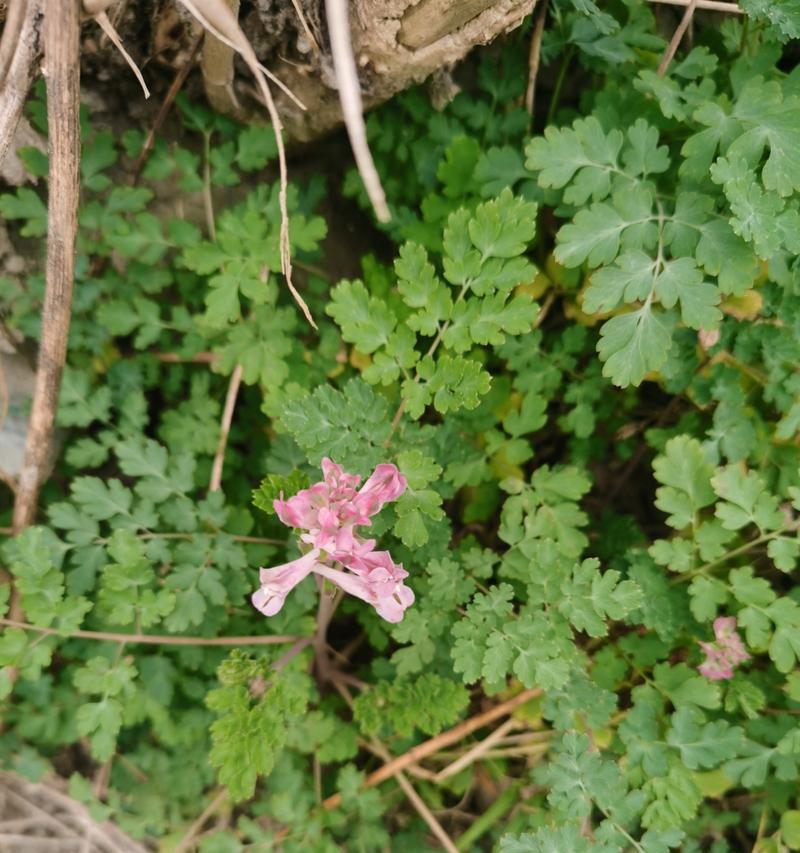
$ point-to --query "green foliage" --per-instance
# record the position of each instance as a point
(428, 703)
(577, 339)
(254, 706)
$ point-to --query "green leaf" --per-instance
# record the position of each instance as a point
(429, 703)
(745, 500)
(450, 383)
(597, 232)
(275, 486)
(681, 280)
(630, 279)
(583, 156)
(25, 204)
(772, 122)
(365, 321)
(503, 227)
(703, 745)
(686, 479)
(252, 724)
(350, 425)
(422, 289)
(634, 344)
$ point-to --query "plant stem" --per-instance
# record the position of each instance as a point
(562, 73)
(742, 549)
(497, 810)
(327, 607)
(153, 639)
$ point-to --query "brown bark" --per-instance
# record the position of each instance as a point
(61, 29)
(397, 43)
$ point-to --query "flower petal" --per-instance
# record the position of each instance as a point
(279, 581)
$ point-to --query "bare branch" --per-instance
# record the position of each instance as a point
(225, 428)
(19, 52)
(429, 747)
(155, 639)
(108, 28)
(352, 108)
(216, 17)
(62, 52)
(535, 56)
(677, 37)
(709, 5)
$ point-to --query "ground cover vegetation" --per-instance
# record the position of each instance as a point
(572, 363)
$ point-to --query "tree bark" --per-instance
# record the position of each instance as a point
(396, 43)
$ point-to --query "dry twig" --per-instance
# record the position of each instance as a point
(163, 112)
(441, 741)
(155, 639)
(709, 5)
(476, 752)
(225, 428)
(352, 109)
(535, 56)
(677, 37)
(218, 19)
(19, 52)
(108, 28)
(61, 39)
(425, 813)
(186, 842)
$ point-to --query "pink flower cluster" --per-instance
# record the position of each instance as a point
(725, 653)
(328, 513)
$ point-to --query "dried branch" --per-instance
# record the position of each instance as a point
(20, 49)
(108, 28)
(710, 5)
(186, 842)
(62, 52)
(677, 37)
(352, 109)
(225, 428)
(425, 813)
(216, 64)
(163, 112)
(155, 639)
(441, 741)
(218, 19)
(304, 24)
(535, 56)
(476, 752)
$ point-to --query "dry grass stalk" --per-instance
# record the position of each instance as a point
(352, 108)
(220, 21)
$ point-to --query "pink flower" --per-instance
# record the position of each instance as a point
(328, 514)
(725, 653)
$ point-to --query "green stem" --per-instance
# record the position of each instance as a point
(736, 552)
(562, 73)
(496, 811)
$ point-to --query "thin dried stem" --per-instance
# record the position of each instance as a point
(445, 739)
(177, 358)
(477, 751)
(108, 28)
(20, 49)
(535, 56)
(304, 24)
(709, 5)
(349, 87)
(188, 839)
(225, 428)
(61, 37)
(163, 112)
(218, 19)
(677, 37)
(153, 639)
(425, 813)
